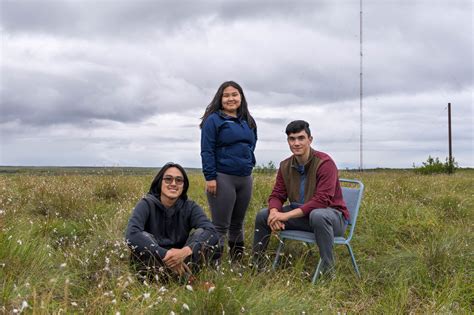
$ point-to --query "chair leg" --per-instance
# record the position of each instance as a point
(349, 248)
(277, 256)
(316, 273)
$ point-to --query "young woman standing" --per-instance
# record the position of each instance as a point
(228, 139)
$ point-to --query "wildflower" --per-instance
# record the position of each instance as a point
(63, 265)
(172, 313)
(24, 305)
(174, 300)
(211, 289)
(189, 288)
(162, 289)
(73, 303)
(146, 295)
(114, 301)
(186, 307)
(242, 309)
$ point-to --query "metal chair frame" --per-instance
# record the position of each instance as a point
(353, 198)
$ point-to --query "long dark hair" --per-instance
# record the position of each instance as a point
(216, 105)
(155, 188)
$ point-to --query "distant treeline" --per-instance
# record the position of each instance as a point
(101, 170)
(83, 170)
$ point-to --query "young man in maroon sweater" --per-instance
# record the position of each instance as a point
(309, 181)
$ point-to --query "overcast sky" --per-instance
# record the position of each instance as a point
(124, 83)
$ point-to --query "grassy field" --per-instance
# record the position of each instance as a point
(62, 250)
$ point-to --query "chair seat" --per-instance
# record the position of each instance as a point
(307, 237)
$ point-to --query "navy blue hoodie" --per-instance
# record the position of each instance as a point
(227, 146)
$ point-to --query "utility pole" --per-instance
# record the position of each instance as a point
(449, 135)
(361, 166)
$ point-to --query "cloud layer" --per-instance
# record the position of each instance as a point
(125, 82)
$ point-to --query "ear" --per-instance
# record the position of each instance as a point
(310, 139)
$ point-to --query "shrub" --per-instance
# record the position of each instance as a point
(434, 166)
(269, 168)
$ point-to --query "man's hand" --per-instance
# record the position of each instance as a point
(211, 187)
(274, 220)
(175, 257)
(277, 226)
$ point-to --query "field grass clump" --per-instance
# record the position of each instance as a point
(62, 250)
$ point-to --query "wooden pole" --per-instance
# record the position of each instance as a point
(449, 135)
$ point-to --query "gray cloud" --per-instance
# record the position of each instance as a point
(95, 67)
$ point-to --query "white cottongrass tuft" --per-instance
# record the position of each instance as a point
(146, 295)
(186, 307)
(162, 290)
(24, 305)
(189, 287)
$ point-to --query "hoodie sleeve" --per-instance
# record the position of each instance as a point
(198, 219)
(208, 148)
(137, 238)
(254, 144)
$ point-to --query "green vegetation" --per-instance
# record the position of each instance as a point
(434, 166)
(62, 250)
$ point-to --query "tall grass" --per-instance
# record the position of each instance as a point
(62, 251)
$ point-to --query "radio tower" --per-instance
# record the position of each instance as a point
(361, 166)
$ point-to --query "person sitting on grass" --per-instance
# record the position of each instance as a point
(169, 234)
(309, 181)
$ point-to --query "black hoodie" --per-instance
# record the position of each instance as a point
(170, 227)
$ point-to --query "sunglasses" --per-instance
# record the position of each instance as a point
(169, 179)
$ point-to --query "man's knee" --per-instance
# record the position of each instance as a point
(318, 218)
(262, 217)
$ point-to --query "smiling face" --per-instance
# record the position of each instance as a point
(231, 100)
(300, 144)
(171, 186)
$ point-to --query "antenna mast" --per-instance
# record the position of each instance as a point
(361, 166)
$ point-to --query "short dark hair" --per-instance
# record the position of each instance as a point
(297, 126)
(155, 188)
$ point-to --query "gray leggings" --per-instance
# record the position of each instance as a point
(229, 206)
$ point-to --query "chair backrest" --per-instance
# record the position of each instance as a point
(352, 198)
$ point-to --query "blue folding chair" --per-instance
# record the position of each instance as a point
(352, 198)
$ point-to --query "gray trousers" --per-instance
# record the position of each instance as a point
(229, 206)
(324, 223)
